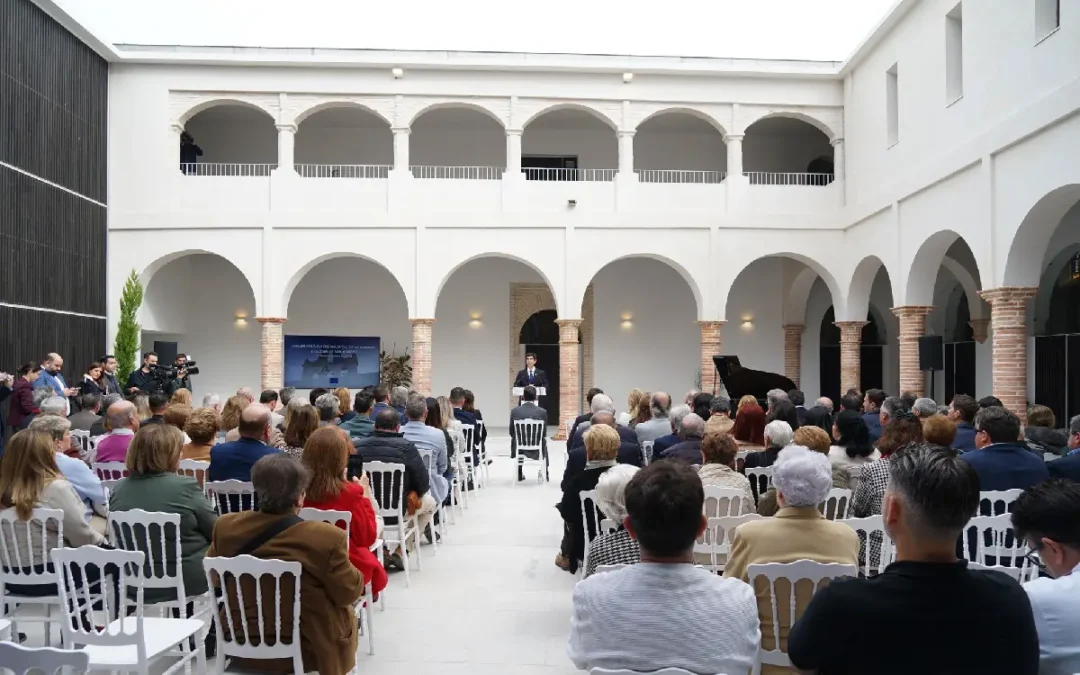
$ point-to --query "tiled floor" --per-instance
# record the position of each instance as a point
(490, 601)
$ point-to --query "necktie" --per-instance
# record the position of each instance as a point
(530, 376)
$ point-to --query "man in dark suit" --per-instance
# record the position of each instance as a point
(530, 374)
(872, 403)
(528, 410)
(587, 415)
(159, 401)
(1002, 461)
(457, 399)
(962, 410)
(1069, 465)
(87, 417)
(108, 368)
(798, 399)
(629, 451)
(676, 416)
(601, 403)
(233, 460)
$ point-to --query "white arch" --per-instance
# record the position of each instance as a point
(150, 270)
(816, 122)
(923, 271)
(307, 112)
(683, 110)
(206, 104)
(584, 107)
(576, 296)
(298, 276)
(1024, 264)
(818, 269)
(798, 296)
(861, 285)
(976, 306)
(465, 105)
(507, 256)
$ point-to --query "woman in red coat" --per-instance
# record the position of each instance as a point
(326, 455)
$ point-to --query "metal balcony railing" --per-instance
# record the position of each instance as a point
(458, 172)
(570, 175)
(768, 178)
(343, 170)
(680, 176)
(227, 169)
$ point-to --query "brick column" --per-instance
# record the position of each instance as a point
(850, 354)
(793, 352)
(272, 374)
(979, 329)
(421, 355)
(711, 343)
(569, 373)
(912, 327)
(1008, 316)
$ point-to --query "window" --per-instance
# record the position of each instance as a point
(954, 54)
(892, 105)
(1047, 17)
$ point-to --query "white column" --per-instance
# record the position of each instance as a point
(286, 142)
(626, 153)
(838, 158)
(401, 149)
(174, 145)
(513, 152)
(734, 155)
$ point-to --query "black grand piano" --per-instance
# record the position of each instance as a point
(740, 381)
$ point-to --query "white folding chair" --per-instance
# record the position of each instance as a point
(836, 504)
(598, 517)
(428, 456)
(465, 458)
(82, 437)
(363, 606)
(110, 473)
(230, 496)
(1000, 500)
(608, 526)
(388, 486)
(194, 468)
(993, 539)
(22, 660)
(1017, 573)
(722, 501)
(236, 640)
(740, 459)
(130, 642)
(793, 572)
(646, 452)
(529, 435)
(17, 564)
(715, 541)
(761, 478)
(481, 448)
(871, 530)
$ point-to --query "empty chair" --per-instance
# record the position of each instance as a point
(25, 570)
(22, 660)
(646, 452)
(529, 438)
(110, 473)
(428, 458)
(997, 502)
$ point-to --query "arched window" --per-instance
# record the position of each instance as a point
(787, 151)
(229, 140)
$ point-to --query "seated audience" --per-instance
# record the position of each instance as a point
(633, 408)
(230, 417)
(158, 402)
(303, 422)
(853, 400)
(817, 440)
(436, 421)
(345, 411)
(31, 479)
(777, 437)
(718, 470)
(675, 418)
(467, 419)
(233, 460)
(774, 396)
(201, 427)
(867, 499)
(529, 410)
(701, 405)
(749, 426)
(872, 402)
(85, 482)
(246, 392)
(967, 621)
(664, 612)
(142, 405)
(819, 416)
(1001, 459)
(327, 407)
(603, 404)
(177, 416)
(453, 427)
(939, 430)
(798, 531)
(852, 450)
(1069, 466)
(212, 401)
(430, 440)
(587, 415)
(990, 402)
(658, 425)
(153, 485)
(1047, 516)
(798, 399)
(470, 407)
(601, 448)
(181, 396)
(387, 444)
(51, 405)
(719, 420)
(87, 417)
(330, 584)
(618, 547)
(399, 398)
(359, 425)
(826, 403)
(123, 422)
(688, 449)
(924, 408)
(326, 456)
(785, 412)
(270, 399)
(1041, 434)
(100, 427)
(294, 404)
(628, 453)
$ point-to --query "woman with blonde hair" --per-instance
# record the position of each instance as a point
(142, 406)
(153, 485)
(180, 397)
(452, 426)
(601, 449)
(345, 404)
(230, 417)
(30, 479)
(633, 402)
(326, 456)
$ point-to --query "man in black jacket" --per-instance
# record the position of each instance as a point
(387, 444)
(628, 453)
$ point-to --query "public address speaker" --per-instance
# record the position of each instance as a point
(931, 353)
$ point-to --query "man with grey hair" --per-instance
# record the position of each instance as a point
(719, 416)
(54, 405)
(247, 393)
(675, 417)
(84, 420)
(212, 401)
(428, 440)
(688, 449)
(399, 397)
(602, 403)
(824, 402)
(889, 407)
(86, 484)
(775, 396)
(689, 399)
(285, 394)
(629, 451)
(327, 405)
(924, 407)
(659, 425)
(99, 428)
(1069, 465)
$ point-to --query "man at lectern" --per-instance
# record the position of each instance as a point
(531, 375)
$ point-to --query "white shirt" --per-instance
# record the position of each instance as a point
(1056, 606)
(651, 616)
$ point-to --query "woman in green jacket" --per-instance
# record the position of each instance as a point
(153, 485)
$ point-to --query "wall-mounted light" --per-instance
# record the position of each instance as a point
(747, 321)
(627, 78)
(627, 321)
(241, 320)
(398, 73)
(476, 320)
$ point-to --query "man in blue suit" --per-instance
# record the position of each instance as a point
(1069, 465)
(233, 460)
(872, 412)
(53, 378)
(962, 410)
(1002, 461)
(457, 399)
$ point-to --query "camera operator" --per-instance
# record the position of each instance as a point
(142, 380)
(182, 379)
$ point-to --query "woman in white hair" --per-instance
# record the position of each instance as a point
(778, 435)
(618, 547)
(798, 531)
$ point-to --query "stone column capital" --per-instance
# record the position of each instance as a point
(271, 319)
(398, 131)
(912, 311)
(422, 322)
(733, 137)
(980, 329)
(290, 128)
(568, 330)
(1009, 294)
(626, 133)
(711, 324)
(851, 329)
(514, 132)
(794, 328)
(176, 127)
(836, 141)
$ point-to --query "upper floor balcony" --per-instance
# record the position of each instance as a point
(460, 158)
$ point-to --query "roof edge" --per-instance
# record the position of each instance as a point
(877, 34)
(104, 49)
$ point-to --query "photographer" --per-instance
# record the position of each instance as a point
(182, 379)
(142, 380)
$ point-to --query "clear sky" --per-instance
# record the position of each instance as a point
(777, 29)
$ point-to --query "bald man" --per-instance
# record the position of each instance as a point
(233, 460)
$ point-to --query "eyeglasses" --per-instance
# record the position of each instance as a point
(1033, 557)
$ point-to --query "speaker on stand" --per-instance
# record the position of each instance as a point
(931, 356)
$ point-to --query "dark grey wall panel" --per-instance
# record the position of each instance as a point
(53, 101)
(28, 335)
(52, 244)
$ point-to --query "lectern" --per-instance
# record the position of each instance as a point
(520, 391)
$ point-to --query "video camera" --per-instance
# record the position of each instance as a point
(164, 373)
